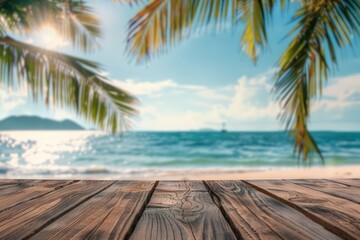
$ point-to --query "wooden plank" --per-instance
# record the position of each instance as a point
(24, 220)
(338, 215)
(110, 214)
(255, 215)
(354, 182)
(333, 188)
(13, 181)
(8, 186)
(182, 210)
(21, 191)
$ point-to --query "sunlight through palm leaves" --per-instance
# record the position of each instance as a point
(59, 79)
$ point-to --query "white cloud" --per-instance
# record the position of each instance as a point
(10, 100)
(156, 89)
(341, 93)
(247, 105)
(247, 101)
(144, 88)
(244, 105)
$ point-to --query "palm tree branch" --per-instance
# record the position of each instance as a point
(73, 19)
(255, 14)
(164, 23)
(79, 23)
(47, 73)
(304, 65)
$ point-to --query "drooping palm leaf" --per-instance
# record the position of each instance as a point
(255, 14)
(80, 24)
(67, 82)
(304, 66)
(163, 23)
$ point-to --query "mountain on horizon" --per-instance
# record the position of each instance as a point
(37, 123)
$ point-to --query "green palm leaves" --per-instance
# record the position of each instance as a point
(322, 26)
(163, 23)
(305, 64)
(57, 79)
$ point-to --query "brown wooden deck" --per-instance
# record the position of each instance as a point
(281, 209)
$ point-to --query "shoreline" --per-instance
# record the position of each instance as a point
(350, 171)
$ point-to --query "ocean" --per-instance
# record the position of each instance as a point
(49, 154)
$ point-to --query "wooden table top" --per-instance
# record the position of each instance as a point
(266, 209)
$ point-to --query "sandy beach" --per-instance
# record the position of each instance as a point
(220, 174)
(217, 174)
(303, 173)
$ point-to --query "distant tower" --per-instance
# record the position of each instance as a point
(223, 127)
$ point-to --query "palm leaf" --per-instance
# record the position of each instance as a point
(73, 19)
(67, 82)
(80, 24)
(255, 14)
(163, 23)
(304, 66)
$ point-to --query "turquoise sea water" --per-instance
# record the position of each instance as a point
(64, 153)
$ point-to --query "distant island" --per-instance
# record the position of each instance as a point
(37, 123)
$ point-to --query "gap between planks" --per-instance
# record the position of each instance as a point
(38, 196)
(132, 225)
(141, 212)
(255, 215)
(217, 202)
(330, 226)
(47, 223)
(57, 217)
(182, 210)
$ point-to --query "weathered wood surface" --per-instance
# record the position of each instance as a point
(258, 216)
(338, 215)
(19, 191)
(182, 210)
(340, 190)
(23, 220)
(272, 209)
(349, 182)
(108, 215)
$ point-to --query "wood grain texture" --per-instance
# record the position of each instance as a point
(258, 216)
(339, 216)
(8, 186)
(15, 193)
(182, 210)
(330, 187)
(348, 181)
(24, 220)
(108, 215)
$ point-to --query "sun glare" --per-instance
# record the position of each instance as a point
(49, 38)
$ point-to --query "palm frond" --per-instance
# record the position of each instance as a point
(304, 66)
(16, 15)
(164, 23)
(79, 23)
(67, 82)
(73, 19)
(255, 14)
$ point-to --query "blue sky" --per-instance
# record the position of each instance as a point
(204, 81)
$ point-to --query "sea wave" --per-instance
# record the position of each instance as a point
(58, 153)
